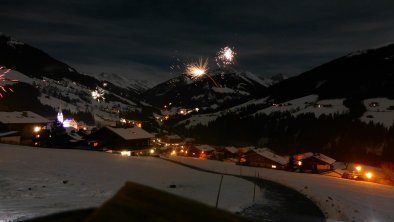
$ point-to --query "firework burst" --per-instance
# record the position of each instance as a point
(197, 69)
(4, 87)
(98, 94)
(225, 56)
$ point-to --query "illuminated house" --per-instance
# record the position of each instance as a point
(26, 123)
(313, 162)
(263, 157)
(200, 151)
(118, 138)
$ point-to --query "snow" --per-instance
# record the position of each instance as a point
(8, 133)
(290, 106)
(231, 149)
(131, 133)
(205, 147)
(122, 82)
(265, 152)
(20, 77)
(203, 119)
(223, 90)
(318, 156)
(326, 107)
(22, 117)
(379, 110)
(38, 181)
(339, 199)
(324, 158)
(247, 76)
(13, 42)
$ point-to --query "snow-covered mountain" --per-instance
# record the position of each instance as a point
(137, 86)
(45, 84)
(227, 87)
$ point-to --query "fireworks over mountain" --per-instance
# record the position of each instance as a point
(5, 82)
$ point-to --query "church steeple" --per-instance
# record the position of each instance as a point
(60, 115)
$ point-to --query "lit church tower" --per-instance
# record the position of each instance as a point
(60, 115)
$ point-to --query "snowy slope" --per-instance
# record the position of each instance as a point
(37, 181)
(74, 97)
(136, 85)
(379, 110)
(328, 106)
(339, 199)
(291, 106)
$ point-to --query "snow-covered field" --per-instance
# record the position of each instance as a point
(379, 110)
(339, 199)
(39, 181)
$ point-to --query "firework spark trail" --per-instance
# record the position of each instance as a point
(225, 56)
(3, 81)
(198, 69)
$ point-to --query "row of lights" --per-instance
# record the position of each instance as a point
(368, 174)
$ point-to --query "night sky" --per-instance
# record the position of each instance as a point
(142, 39)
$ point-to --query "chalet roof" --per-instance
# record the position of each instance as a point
(22, 117)
(231, 149)
(245, 149)
(267, 153)
(8, 133)
(205, 147)
(173, 137)
(318, 156)
(324, 158)
(131, 133)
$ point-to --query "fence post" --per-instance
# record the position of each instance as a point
(220, 187)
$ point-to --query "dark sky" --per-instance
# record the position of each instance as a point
(142, 39)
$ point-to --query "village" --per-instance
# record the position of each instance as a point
(128, 138)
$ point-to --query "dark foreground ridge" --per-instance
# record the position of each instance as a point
(135, 202)
(280, 203)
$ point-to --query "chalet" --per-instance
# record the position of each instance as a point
(226, 153)
(263, 157)
(26, 123)
(200, 151)
(120, 138)
(171, 139)
(313, 162)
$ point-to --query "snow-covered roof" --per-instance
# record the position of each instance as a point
(267, 153)
(245, 149)
(303, 156)
(324, 158)
(173, 137)
(205, 147)
(8, 133)
(131, 133)
(22, 117)
(318, 156)
(231, 149)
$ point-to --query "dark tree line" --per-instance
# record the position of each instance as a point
(341, 136)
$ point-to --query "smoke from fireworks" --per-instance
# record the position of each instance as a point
(3, 81)
(225, 56)
(98, 94)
